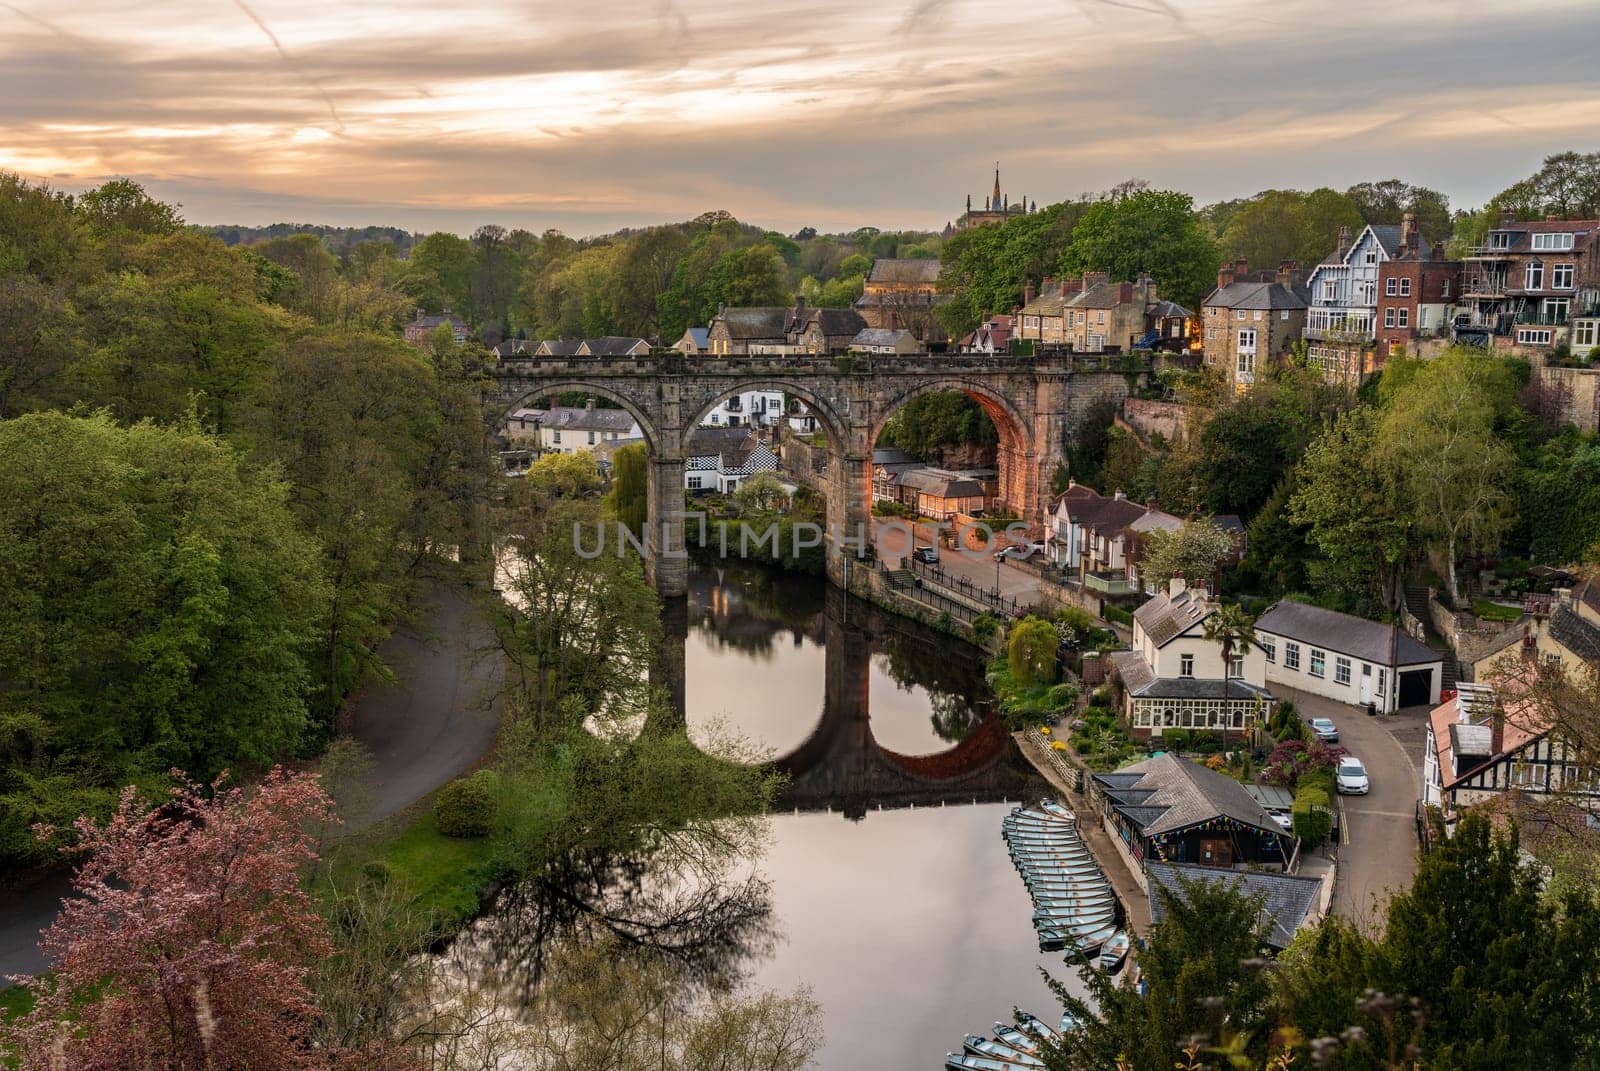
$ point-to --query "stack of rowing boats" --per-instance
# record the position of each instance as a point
(1074, 906)
(1013, 1048)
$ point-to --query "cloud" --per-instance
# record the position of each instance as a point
(827, 113)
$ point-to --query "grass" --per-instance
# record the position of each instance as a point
(15, 1001)
(1493, 611)
(444, 873)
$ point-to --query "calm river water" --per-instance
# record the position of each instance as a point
(890, 891)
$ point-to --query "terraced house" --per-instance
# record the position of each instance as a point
(1095, 315)
(1341, 329)
(1533, 284)
(1252, 321)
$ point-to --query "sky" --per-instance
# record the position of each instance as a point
(830, 114)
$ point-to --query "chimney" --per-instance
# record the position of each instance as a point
(1438, 251)
(1241, 267)
(1289, 275)
(1048, 284)
(1027, 293)
(1552, 219)
(799, 305)
(419, 314)
(1124, 293)
(1344, 241)
(1176, 586)
(1409, 242)
(588, 406)
(1227, 273)
(1508, 216)
(1150, 504)
(1092, 279)
(1497, 728)
(1117, 495)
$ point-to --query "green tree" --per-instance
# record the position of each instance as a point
(572, 475)
(760, 496)
(1279, 225)
(1567, 186)
(629, 497)
(159, 604)
(752, 276)
(1031, 651)
(122, 205)
(39, 333)
(1232, 629)
(984, 269)
(438, 273)
(1193, 552)
(1153, 231)
(1388, 201)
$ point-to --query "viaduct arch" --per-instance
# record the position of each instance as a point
(1034, 401)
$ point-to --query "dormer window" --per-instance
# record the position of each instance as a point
(1553, 241)
(1500, 240)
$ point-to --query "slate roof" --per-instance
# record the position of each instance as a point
(1465, 747)
(880, 336)
(515, 347)
(613, 345)
(1581, 229)
(1187, 794)
(1099, 296)
(699, 337)
(1256, 296)
(431, 322)
(832, 322)
(1588, 594)
(1575, 634)
(1384, 645)
(1287, 898)
(560, 347)
(939, 483)
(1164, 617)
(1201, 688)
(565, 417)
(1169, 309)
(904, 272)
(710, 442)
(1095, 511)
(891, 455)
(755, 322)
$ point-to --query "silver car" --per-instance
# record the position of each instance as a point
(1351, 777)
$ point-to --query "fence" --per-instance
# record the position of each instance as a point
(988, 598)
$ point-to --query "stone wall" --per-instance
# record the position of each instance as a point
(1469, 637)
(1576, 393)
(1147, 418)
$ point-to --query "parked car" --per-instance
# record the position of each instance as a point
(929, 555)
(1283, 818)
(1351, 777)
(1021, 552)
(1325, 729)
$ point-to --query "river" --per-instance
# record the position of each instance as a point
(890, 891)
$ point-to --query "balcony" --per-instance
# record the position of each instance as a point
(1110, 582)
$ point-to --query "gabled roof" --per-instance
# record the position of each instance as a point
(1165, 617)
(1256, 296)
(515, 347)
(1575, 634)
(612, 346)
(881, 336)
(431, 322)
(1384, 645)
(711, 441)
(939, 483)
(698, 337)
(1581, 229)
(831, 322)
(1465, 745)
(1099, 296)
(1187, 793)
(904, 272)
(558, 347)
(1286, 898)
(1169, 310)
(1141, 682)
(586, 418)
(754, 322)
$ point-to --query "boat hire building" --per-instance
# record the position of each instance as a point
(1169, 810)
(1347, 658)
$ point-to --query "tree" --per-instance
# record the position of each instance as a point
(756, 275)
(629, 497)
(1566, 186)
(123, 205)
(574, 475)
(159, 604)
(1192, 553)
(1031, 651)
(38, 336)
(760, 495)
(192, 940)
(1153, 231)
(1354, 512)
(1438, 441)
(1233, 630)
(438, 273)
(1388, 201)
(1280, 225)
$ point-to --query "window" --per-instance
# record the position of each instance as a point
(1186, 665)
(1534, 276)
(1284, 315)
(1241, 314)
(1258, 315)
(695, 483)
(1211, 334)
(1555, 309)
(1444, 287)
(1319, 663)
(1268, 647)
(1388, 317)
(1371, 257)
(1100, 317)
(1500, 240)
(1369, 292)
(1247, 364)
(555, 437)
(1330, 290)
(1535, 336)
(1586, 333)
(1247, 341)
(591, 438)
(1291, 656)
(1383, 679)
(1405, 287)
(1552, 241)
(1402, 317)
(1341, 670)
(1391, 287)
(1236, 666)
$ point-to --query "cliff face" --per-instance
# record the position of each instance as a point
(964, 456)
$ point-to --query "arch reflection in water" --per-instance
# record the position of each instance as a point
(858, 708)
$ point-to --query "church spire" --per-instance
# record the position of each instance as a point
(995, 200)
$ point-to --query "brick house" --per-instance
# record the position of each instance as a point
(422, 327)
(1533, 284)
(822, 331)
(1416, 291)
(1252, 321)
(902, 294)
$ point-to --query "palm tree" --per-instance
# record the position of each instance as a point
(1231, 627)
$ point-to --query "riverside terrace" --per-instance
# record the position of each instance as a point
(1035, 403)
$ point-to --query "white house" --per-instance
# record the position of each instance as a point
(1347, 658)
(752, 408)
(720, 459)
(1342, 322)
(568, 429)
(1479, 748)
(1174, 677)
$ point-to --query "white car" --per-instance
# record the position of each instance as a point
(1022, 552)
(1351, 777)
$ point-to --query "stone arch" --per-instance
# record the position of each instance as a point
(1018, 478)
(834, 426)
(653, 437)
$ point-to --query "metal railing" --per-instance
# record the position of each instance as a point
(932, 573)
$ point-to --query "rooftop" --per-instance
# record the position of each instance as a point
(891, 271)
(1246, 295)
(1165, 616)
(1286, 899)
(1187, 794)
(1370, 641)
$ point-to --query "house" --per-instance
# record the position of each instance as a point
(903, 294)
(821, 331)
(1250, 322)
(1417, 288)
(1341, 329)
(1174, 677)
(801, 419)
(1480, 747)
(522, 428)
(939, 493)
(558, 347)
(887, 463)
(760, 408)
(1043, 317)
(422, 327)
(992, 336)
(884, 340)
(756, 329)
(1092, 314)
(1347, 658)
(1565, 634)
(1169, 810)
(1288, 901)
(570, 429)
(613, 346)
(1533, 284)
(1098, 537)
(694, 343)
(720, 459)
(997, 208)
(514, 347)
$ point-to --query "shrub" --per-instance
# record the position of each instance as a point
(1311, 815)
(1119, 615)
(466, 806)
(945, 622)
(1062, 696)
(1176, 739)
(1031, 651)
(984, 626)
(1206, 741)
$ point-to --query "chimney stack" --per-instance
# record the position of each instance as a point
(1027, 293)
(1343, 242)
(1227, 273)
(1508, 216)
(1408, 234)
(1092, 279)
(1124, 293)
(1497, 728)
(799, 305)
(1289, 275)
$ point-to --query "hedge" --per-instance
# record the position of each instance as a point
(466, 806)
(1311, 815)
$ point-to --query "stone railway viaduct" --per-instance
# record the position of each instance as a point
(1035, 402)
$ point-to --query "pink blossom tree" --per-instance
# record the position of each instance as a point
(190, 940)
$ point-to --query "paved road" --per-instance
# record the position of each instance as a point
(977, 566)
(435, 721)
(1378, 855)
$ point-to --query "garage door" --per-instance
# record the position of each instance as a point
(1416, 687)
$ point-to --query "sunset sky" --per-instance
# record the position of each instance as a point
(588, 117)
